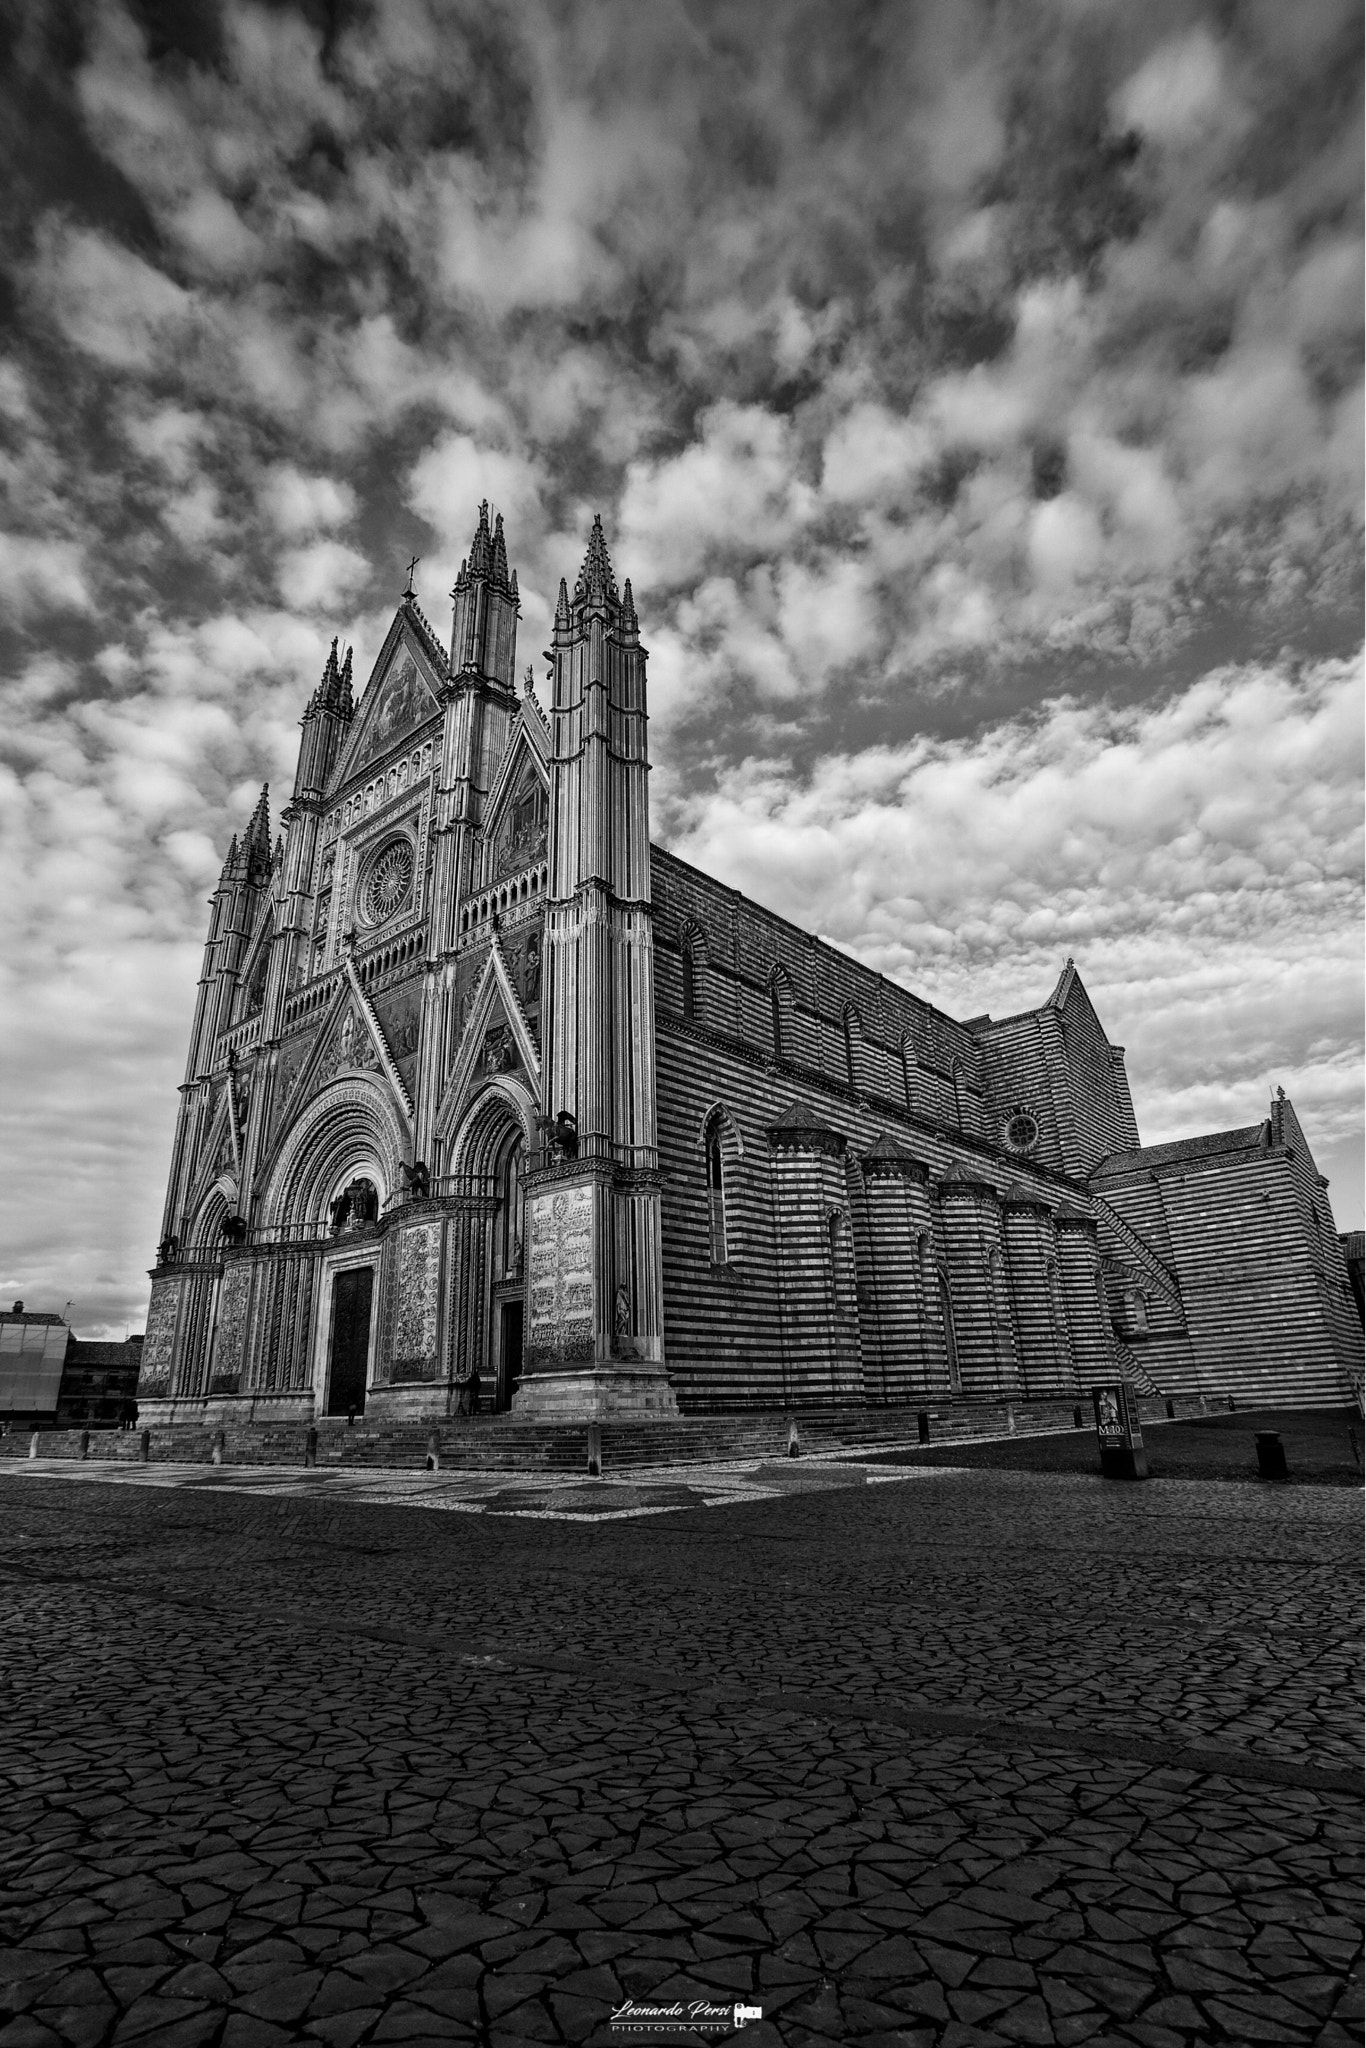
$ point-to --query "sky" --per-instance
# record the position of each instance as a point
(973, 393)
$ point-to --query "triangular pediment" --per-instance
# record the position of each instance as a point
(348, 1041)
(496, 1039)
(518, 807)
(218, 1156)
(401, 696)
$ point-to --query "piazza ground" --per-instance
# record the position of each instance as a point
(899, 1753)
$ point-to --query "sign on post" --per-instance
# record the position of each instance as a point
(1118, 1433)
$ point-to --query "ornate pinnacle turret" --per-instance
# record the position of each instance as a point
(562, 605)
(256, 843)
(498, 567)
(628, 609)
(229, 863)
(481, 547)
(345, 701)
(325, 696)
(595, 577)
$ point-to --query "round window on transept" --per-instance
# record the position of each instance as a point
(387, 884)
(1021, 1131)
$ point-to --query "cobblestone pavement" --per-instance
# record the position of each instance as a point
(956, 1758)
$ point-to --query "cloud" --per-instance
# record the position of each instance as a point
(323, 576)
(926, 364)
(306, 504)
(1201, 858)
(733, 493)
(39, 575)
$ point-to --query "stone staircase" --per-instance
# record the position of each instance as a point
(502, 1443)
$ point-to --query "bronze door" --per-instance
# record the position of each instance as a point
(510, 1352)
(351, 1294)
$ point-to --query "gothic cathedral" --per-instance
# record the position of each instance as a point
(491, 1104)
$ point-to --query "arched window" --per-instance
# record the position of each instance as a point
(853, 1032)
(716, 1193)
(775, 1001)
(690, 977)
(908, 1072)
(1000, 1294)
(950, 1334)
(960, 1096)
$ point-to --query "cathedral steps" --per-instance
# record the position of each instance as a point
(502, 1443)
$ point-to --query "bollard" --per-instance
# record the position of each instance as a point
(145, 1447)
(1270, 1456)
(220, 1442)
(794, 1442)
(595, 1450)
(310, 1450)
(922, 1424)
(85, 1444)
(1076, 1416)
(433, 1453)
(33, 1444)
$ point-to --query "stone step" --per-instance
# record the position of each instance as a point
(505, 1443)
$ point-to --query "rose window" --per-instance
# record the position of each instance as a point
(389, 883)
(1022, 1131)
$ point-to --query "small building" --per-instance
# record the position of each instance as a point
(50, 1377)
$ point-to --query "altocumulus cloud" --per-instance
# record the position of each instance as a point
(1201, 857)
(973, 395)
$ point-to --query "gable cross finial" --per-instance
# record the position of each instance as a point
(408, 590)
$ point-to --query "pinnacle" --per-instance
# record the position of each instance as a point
(481, 547)
(488, 555)
(256, 844)
(595, 577)
(562, 605)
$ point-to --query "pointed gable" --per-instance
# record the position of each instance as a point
(515, 822)
(401, 696)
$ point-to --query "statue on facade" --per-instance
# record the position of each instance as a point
(561, 1135)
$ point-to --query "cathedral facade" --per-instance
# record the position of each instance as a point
(492, 1104)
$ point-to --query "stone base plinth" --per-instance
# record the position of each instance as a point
(223, 1410)
(411, 1401)
(594, 1394)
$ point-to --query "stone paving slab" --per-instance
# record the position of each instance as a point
(984, 1759)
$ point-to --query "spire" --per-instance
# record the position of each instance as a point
(562, 605)
(595, 577)
(345, 702)
(256, 843)
(325, 696)
(484, 621)
(229, 863)
(628, 609)
(480, 547)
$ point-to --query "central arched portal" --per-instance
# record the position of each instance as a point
(488, 1159)
(505, 1272)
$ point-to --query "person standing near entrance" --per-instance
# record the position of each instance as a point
(474, 1390)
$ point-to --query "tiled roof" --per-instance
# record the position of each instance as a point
(1215, 1143)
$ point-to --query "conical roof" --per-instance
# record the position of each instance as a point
(595, 577)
